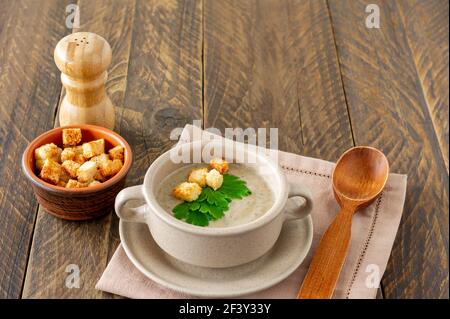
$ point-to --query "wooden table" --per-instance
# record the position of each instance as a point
(310, 68)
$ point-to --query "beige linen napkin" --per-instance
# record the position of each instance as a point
(373, 233)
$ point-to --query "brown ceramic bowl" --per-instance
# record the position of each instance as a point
(77, 203)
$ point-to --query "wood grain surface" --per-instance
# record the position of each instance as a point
(270, 64)
(29, 90)
(389, 110)
(309, 67)
(57, 243)
(426, 28)
(154, 60)
(274, 64)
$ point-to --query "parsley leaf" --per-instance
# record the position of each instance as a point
(215, 197)
(197, 218)
(194, 205)
(181, 211)
(211, 204)
(234, 187)
(216, 212)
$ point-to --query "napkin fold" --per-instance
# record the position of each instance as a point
(373, 233)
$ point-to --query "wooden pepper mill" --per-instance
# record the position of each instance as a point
(83, 58)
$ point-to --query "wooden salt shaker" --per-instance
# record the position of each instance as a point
(83, 59)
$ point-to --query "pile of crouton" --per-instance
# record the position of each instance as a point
(77, 166)
(198, 178)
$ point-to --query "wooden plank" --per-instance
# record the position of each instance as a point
(164, 89)
(58, 243)
(7, 11)
(388, 109)
(157, 47)
(29, 90)
(274, 64)
(325, 122)
(426, 28)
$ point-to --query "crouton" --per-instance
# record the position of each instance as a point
(73, 183)
(64, 176)
(116, 153)
(73, 154)
(68, 154)
(61, 183)
(198, 176)
(47, 151)
(51, 171)
(214, 179)
(86, 172)
(93, 148)
(99, 177)
(71, 136)
(110, 168)
(58, 155)
(219, 164)
(93, 183)
(187, 191)
(39, 164)
(71, 167)
(116, 166)
(79, 157)
(100, 159)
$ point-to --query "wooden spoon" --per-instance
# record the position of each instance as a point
(358, 178)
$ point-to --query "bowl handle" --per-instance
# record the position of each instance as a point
(305, 209)
(131, 214)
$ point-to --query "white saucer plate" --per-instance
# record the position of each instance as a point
(282, 260)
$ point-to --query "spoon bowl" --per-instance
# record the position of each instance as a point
(360, 175)
(358, 178)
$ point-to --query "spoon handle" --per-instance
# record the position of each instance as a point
(328, 259)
